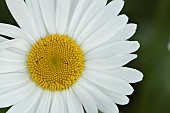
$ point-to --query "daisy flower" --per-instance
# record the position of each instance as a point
(67, 56)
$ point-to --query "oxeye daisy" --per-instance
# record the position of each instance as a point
(66, 56)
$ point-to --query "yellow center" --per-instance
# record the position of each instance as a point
(55, 62)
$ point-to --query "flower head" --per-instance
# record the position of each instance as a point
(65, 56)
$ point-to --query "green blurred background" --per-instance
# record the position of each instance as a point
(152, 95)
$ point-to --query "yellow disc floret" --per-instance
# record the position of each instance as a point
(55, 62)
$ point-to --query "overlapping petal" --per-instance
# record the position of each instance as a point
(12, 97)
(27, 103)
(22, 15)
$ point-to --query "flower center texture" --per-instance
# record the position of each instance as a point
(55, 62)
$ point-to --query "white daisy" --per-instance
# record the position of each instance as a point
(66, 57)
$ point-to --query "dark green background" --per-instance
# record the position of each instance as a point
(152, 95)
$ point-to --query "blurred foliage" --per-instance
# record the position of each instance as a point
(152, 95)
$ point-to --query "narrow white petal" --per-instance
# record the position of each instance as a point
(92, 10)
(15, 96)
(15, 32)
(15, 43)
(48, 9)
(23, 17)
(74, 105)
(73, 4)
(120, 47)
(78, 13)
(25, 70)
(104, 103)
(3, 39)
(34, 7)
(117, 98)
(27, 103)
(45, 103)
(57, 105)
(116, 6)
(112, 62)
(108, 82)
(107, 13)
(127, 32)
(104, 33)
(120, 99)
(33, 108)
(10, 79)
(7, 67)
(64, 96)
(19, 51)
(13, 87)
(62, 14)
(10, 56)
(86, 99)
(128, 74)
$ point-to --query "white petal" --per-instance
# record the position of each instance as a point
(73, 4)
(120, 47)
(74, 105)
(45, 103)
(107, 13)
(25, 70)
(12, 88)
(62, 14)
(116, 6)
(10, 56)
(23, 17)
(34, 107)
(128, 74)
(10, 79)
(48, 10)
(15, 96)
(27, 103)
(112, 62)
(91, 11)
(86, 99)
(104, 103)
(19, 51)
(7, 67)
(127, 32)
(3, 39)
(15, 43)
(117, 98)
(120, 99)
(15, 32)
(78, 13)
(108, 82)
(104, 33)
(34, 7)
(57, 105)
(64, 95)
